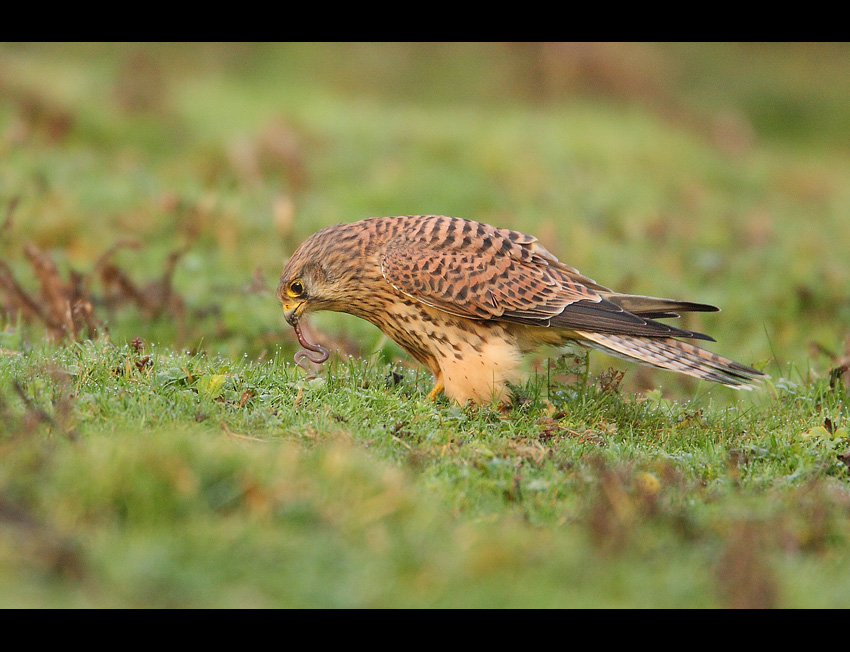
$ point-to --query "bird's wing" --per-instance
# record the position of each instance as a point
(481, 286)
(496, 277)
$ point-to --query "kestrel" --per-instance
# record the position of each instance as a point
(467, 300)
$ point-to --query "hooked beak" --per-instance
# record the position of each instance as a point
(292, 311)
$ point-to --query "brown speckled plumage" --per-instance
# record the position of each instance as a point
(466, 299)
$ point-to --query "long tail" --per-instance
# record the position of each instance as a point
(675, 355)
(656, 307)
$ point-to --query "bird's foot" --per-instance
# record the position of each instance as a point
(438, 387)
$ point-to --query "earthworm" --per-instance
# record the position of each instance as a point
(309, 351)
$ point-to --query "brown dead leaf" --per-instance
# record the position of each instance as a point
(156, 298)
(839, 371)
(14, 299)
(609, 380)
(65, 307)
(62, 306)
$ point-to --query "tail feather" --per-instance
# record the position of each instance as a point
(675, 355)
(656, 307)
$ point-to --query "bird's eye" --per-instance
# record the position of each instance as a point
(295, 288)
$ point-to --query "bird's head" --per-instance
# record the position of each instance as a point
(317, 276)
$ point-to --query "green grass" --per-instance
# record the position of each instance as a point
(200, 468)
(208, 482)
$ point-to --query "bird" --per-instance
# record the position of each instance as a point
(468, 300)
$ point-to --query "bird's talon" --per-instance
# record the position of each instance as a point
(438, 387)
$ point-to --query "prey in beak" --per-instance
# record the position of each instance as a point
(292, 311)
(316, 353)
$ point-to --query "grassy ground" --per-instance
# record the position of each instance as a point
(178, 457)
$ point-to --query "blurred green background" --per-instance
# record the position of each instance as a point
(195, 466)
(713, 172)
